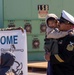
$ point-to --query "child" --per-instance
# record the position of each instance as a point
(52, 34)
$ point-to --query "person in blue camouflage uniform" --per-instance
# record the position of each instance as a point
(63, 62)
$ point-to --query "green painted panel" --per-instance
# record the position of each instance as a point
(36, 56)
(28, 9)
(17, 9)
(17, 23)
(32, 38)
(68, 6)
(29, 42)
(35, 27)
(54, 6)
(6, 24)
(1, 14)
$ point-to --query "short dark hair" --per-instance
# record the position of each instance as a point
(51, 18)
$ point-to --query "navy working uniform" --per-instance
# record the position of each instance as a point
(63, 63)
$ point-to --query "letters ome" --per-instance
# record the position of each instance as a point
(13, 39)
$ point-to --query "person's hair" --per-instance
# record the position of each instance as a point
(50, 19)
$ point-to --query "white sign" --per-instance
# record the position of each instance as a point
(18, 40)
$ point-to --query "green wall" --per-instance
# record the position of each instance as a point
(27, 9)
(1, 14)
(20, 12)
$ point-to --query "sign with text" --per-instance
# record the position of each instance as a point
(15, 42)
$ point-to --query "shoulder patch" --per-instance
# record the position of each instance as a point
(70, 46)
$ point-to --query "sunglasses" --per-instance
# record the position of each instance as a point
(64, 21)
(61, 21)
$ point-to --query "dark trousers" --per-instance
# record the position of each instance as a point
(49, 69)
(63, 69)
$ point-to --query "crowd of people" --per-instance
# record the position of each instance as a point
(59, 44)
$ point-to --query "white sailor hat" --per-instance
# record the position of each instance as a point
(66, 17)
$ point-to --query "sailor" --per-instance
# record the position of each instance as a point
(63, 62)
